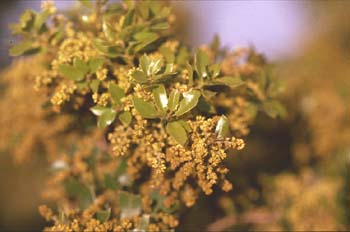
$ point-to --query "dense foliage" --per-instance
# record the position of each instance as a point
(135, 124)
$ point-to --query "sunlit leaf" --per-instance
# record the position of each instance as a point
(189, 101)
(222, 127)
(174, 98)
(107, 117)
(201, 61)
(160, 98)
(97, 110)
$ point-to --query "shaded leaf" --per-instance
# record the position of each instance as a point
(130, 205)
(21, 48)
(189, 101)
(227, 80)
(95, 64)
(116, 92)
(145, 109)
(103, 215)
(71, 72)
(40, 19)
(81, 66)
(274, 108)
(79, 192)
(94, 85)
(177, 132)
(139, 76)
(125, 117)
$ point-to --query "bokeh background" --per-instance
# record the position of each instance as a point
(294, 174)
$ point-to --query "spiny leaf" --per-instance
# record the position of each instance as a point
(161, 98)
(177, 131)
(71, 72)
(145, 109)
(116, 93)
(189, 101)
(222, 127)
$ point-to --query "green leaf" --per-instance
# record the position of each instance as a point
(144, 36)
(177, 132)
(40, 20)
(94, 85)
(125, 117)
(130, 205)
(108, 30)
(144, 63)
(107, 117)
(107, 49)
(274, 108)
(222, 127)
(154, 67)
(201, 62)
(95, 64)
(116, 92)
(21, 48)
(227, 80)
(79, 192)
(139, 76)
(174, 98)
(205, 106)
(81, 66)
(103, 215)
(86, 3)
(145, 109)
(143, 223)
(110, 182)
(97, 110)
(168, 54)
(185, 125)
(71, 72)
(160, 98)
(189, 101)
(129, 18)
